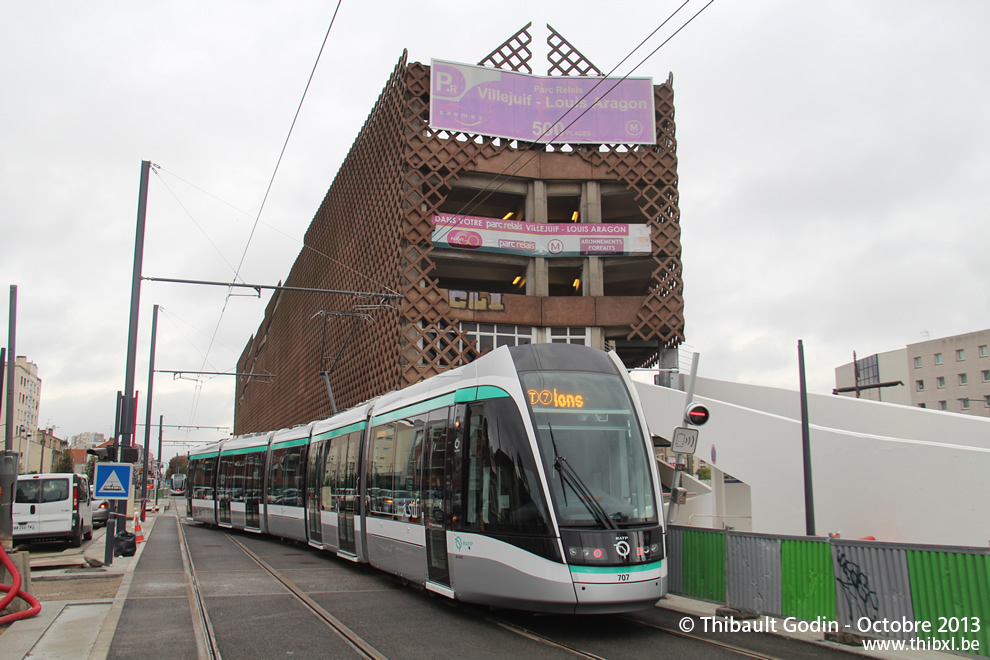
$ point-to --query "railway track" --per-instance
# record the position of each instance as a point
(483, 630)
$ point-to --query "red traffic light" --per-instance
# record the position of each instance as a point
(696, 414)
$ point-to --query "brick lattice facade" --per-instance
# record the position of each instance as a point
(372, 233)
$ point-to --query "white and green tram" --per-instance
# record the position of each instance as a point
(523, 480)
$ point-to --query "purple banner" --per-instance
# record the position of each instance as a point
(561, 109)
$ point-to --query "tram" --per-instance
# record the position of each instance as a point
(523, 480)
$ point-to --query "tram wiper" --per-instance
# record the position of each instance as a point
(568, 474)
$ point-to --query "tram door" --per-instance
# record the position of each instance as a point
(436, 494)
(223, 490)
(314, 481)
(347, 484)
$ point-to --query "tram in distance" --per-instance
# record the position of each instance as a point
(523, 480)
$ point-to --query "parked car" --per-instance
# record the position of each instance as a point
(52, 507)
(101, 510)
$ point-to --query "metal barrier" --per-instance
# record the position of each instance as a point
(864, 587)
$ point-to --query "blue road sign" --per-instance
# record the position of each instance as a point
(112, 481)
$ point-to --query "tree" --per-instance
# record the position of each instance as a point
(91, 468)
(177, 464)
(705, 473)
(64, 463)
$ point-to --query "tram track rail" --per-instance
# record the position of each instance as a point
(581, 653)
(551, 636)
(206, 640)
(355, 641)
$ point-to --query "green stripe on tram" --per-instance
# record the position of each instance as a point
(209, 454)
(463, 395)
(245, 450)
(480, 393)
(295, 442)
(614, 570)
(344, 430)
(415, 409)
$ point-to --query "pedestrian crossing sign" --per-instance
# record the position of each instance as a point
(112, 481)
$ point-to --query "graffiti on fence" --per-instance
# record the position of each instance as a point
(860, 597)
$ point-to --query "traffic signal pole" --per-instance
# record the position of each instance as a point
(681, 465)
(147, 415)
(126, 412)
(8, 458)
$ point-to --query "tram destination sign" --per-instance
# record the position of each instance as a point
(549, 109)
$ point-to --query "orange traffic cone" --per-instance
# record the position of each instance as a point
(138, 534)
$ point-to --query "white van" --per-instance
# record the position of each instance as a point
(52, 507)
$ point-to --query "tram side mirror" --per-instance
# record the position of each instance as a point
(659, 442)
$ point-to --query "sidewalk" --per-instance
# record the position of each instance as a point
(73, 628)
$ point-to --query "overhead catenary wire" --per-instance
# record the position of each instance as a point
(264, 200)
(532, 149)
(159, 169)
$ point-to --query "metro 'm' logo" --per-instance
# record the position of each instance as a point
(555, 399)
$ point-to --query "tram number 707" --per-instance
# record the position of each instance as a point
(623, 577)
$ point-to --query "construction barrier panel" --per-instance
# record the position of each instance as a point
(870, 588)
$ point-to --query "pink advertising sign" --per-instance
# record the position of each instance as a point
(538, 239)
(561, 109)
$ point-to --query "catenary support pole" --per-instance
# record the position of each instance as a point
(160, 472)
(8, 459)
(809, 491)
(147, 414)
(127, 432)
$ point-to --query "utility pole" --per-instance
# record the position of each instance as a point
(147, 415)
(160, 471)
(8, 459)
(809, 491)
(127, 404)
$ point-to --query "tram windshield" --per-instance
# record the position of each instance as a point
(592, 448)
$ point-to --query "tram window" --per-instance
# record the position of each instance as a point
(503, 494)
(254, 464)
(331, 473)
(202, 478)
(382, 478)
(285, 476)
(404, 500)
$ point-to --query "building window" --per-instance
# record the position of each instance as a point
(960, 354)
(868, 371)
(965, 404)
(442, 347)
(986, 375)
(493, 335)
(917, 363)
(569, 336)
(984, 351)
(963, 379)
(938, 358)
(919, 385)
(942, 405)
(940, 382)
(921, 405)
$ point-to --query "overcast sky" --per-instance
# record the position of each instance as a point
(834, 162)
